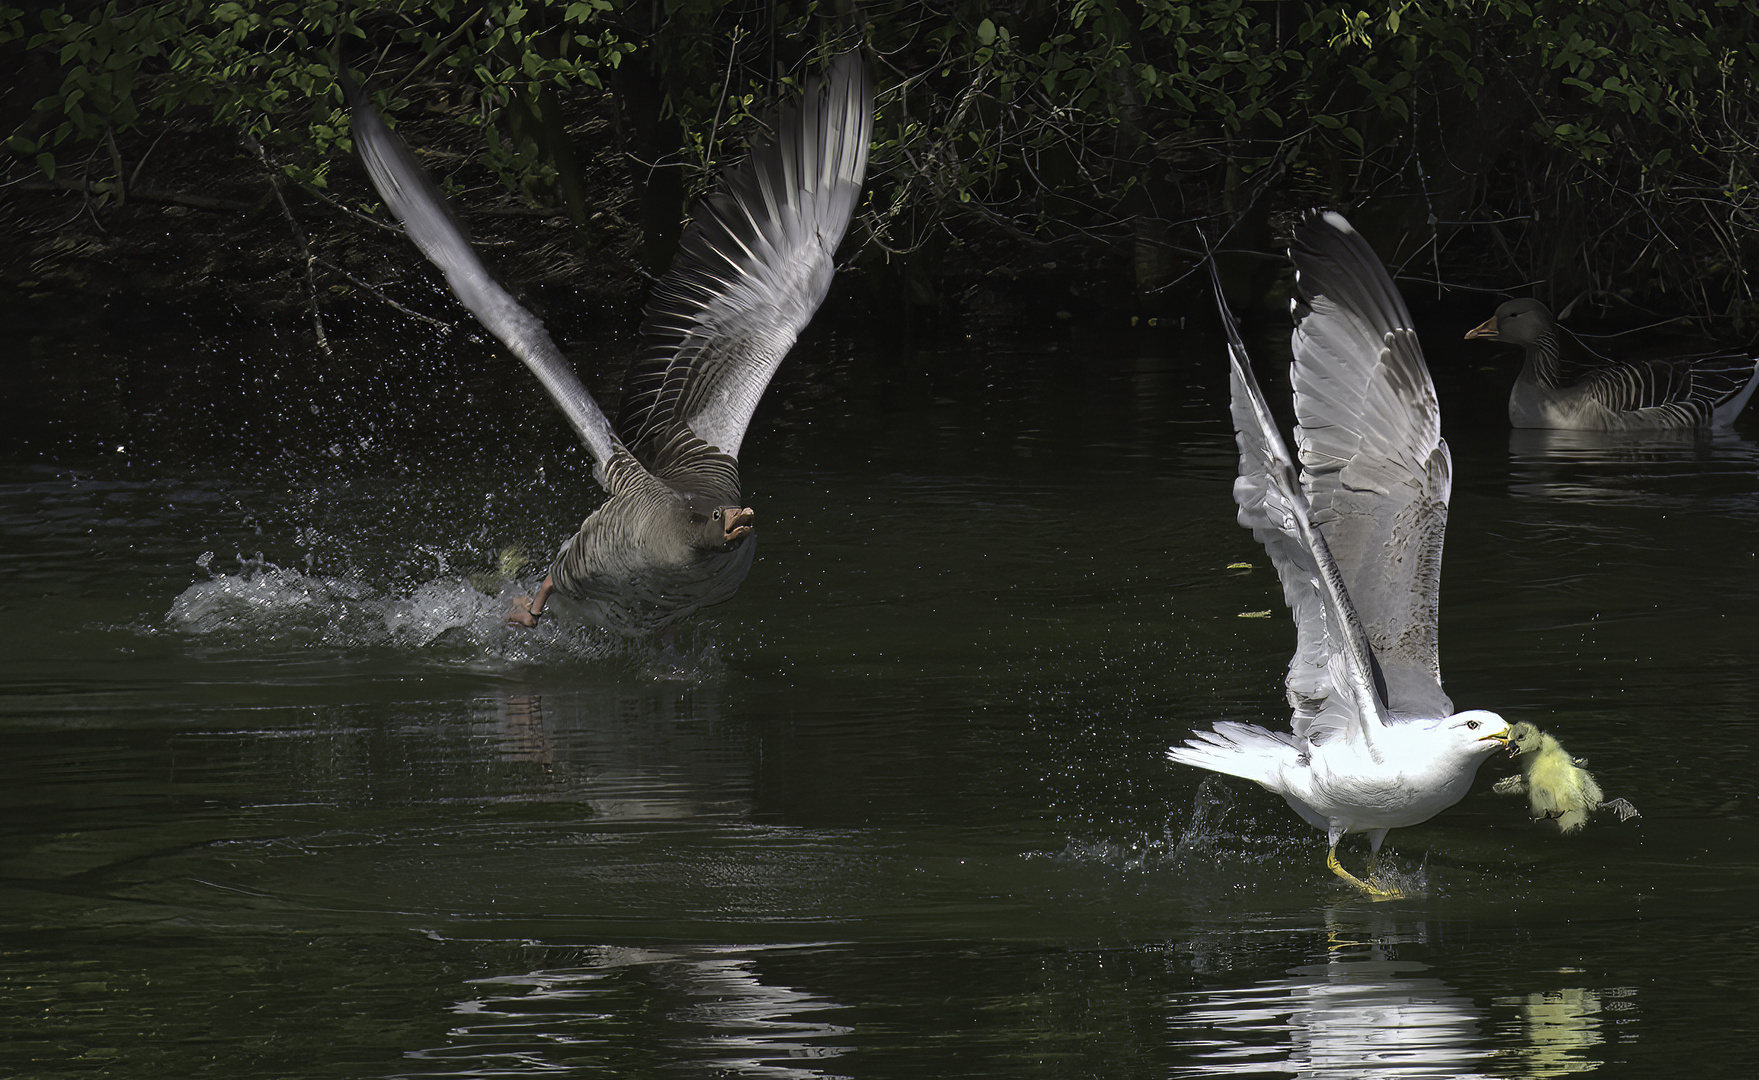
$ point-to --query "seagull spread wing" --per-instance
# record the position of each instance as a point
(412, 197)
(1374, 465)
(750, 271)
(1332, 678)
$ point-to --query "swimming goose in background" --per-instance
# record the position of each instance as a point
(1356, 540)
(1563, 384)
(753, 266)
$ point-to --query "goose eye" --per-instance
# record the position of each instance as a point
(1471, 725)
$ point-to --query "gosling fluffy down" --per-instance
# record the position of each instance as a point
(1556, 785)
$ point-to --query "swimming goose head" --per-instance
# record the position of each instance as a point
(1519, 322)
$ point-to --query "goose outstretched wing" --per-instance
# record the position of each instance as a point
(752, 268)
(412, 197)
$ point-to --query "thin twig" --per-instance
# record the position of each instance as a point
(311, 283)
(708, 149)
(411, 312)
(198, 202)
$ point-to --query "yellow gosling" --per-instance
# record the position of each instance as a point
(1557, 787)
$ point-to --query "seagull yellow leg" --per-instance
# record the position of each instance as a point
(1374, 891)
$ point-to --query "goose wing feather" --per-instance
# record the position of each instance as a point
(1691, 387)
(412, 196)
(752, 268)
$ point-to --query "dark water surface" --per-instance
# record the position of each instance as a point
(280, 797)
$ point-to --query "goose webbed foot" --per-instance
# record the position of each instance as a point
(527, 610)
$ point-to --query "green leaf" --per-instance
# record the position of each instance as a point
(986, 33)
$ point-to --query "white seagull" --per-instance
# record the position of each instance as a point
(1356, 539)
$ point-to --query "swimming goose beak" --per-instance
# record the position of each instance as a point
(1485, 329)
(738, 523)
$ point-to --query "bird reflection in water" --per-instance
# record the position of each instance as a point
(1657, 470)
(648, 751)
(1361, 1008)
(1558, 1026)
(724, 1017)
(1358, 1009)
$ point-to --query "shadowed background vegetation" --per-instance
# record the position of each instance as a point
(1031, 159)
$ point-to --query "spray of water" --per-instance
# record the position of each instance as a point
(263, 606)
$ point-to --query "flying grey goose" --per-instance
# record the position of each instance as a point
(1356, 540)
(753, 266)
(1563, 384)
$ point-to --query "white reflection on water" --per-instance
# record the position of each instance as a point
(1360, 1011)
(720, 1014)
(1365, 1010)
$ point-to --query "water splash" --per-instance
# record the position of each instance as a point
(273, 607)
(1206, 838)
(1209, 812)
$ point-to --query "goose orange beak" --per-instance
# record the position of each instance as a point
(739, 523)
(1485, 329)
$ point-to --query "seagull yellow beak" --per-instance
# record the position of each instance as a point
(1501, 737)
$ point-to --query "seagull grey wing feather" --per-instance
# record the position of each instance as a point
(1373, 460)
(1332, 680)
(752, 269)
(412, 196)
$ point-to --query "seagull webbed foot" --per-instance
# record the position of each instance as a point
(1373, 887)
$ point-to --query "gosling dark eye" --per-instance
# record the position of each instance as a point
(1471, 725)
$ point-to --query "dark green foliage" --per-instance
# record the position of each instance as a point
(1595, 150)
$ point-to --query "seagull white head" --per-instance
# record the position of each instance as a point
(1478, 731)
